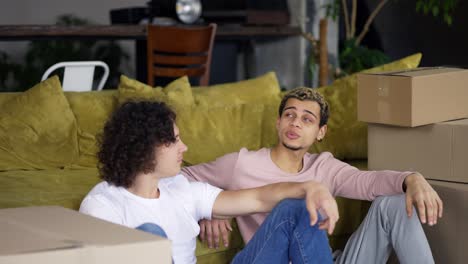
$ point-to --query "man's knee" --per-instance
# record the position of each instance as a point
(393, 205)
(290, 205)
(397, 201)
(294, 207)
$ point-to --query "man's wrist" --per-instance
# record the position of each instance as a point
(308, 186)
(409, 179)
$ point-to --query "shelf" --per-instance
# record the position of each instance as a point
(135, 32)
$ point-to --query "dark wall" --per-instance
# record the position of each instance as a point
(401, 32)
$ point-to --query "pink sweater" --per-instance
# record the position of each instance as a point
(248, 169)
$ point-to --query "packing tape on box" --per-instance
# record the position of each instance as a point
(401, 72)
(383, 94)
(383, 110)
(383, 88)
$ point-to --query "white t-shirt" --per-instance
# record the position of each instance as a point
(178, 209)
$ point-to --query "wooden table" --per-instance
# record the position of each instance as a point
(243, 35)
(33, 32)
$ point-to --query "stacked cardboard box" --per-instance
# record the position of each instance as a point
(417, 122)
(449, 238)
(438, 151)
(414, 97)
(58, 235)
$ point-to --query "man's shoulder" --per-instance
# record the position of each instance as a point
(179, 186)
(106, 194)
(251, 159)
(242, 155)
(316, 158)
(178, 182)
(321, 155)
(99, 188)
(245, 153)
(103, 195)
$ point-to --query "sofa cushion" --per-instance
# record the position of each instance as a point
(210, 132)
(38, 129)
(7, 97)
(263, 89)
(222, 254)
(177, 94)
(346, 136)
(91, 110)
(67, 188)
(101, 104)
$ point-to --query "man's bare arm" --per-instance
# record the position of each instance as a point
(265, 198)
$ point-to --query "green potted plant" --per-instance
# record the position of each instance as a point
(353, 56)
(40, 55)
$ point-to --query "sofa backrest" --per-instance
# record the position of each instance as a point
(213, 120)
(221, 118)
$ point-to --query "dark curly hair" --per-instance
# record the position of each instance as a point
(307, 94)
(130, 138)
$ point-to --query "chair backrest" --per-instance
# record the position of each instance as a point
(175, 51)
(79, 75)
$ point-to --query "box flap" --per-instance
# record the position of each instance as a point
(17, 238)
(462, 187)
(52, 227)
(422, 71)
(460, 122)
(56, 235)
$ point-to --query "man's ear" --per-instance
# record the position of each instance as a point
(322, 132)
(278, 120)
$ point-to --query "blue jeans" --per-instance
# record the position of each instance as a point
(153, 229)
(286, 235)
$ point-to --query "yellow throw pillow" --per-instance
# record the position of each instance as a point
(91, 110)
(177, 94)
(347, 137)
(210, 132)
(38, 129)
(263, 90)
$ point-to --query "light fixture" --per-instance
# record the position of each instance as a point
(185, 11)
(159, 11)
(188, 11)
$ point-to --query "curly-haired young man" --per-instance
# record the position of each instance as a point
(302, 120)
(139, 160)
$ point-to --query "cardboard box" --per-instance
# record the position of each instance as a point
(438, 151)
(449, 237)
(412, 98)
(59, 235)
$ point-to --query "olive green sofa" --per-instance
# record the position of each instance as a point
(48, 137)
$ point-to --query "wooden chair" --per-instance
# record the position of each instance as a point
(175, 51)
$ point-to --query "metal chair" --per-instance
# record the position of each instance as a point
(175, 51)
(79, 75)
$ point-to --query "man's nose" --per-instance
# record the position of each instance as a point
(184, 147)
(296, 122)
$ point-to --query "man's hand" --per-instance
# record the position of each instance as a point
(210, 230)
(420, 193)
(318, 197)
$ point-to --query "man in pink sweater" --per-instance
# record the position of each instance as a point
(391, 221)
